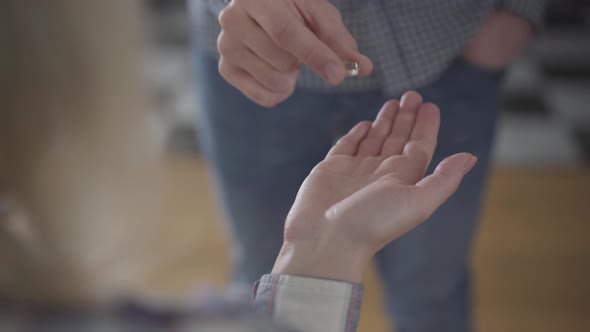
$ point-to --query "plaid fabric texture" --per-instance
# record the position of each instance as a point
(410, 41)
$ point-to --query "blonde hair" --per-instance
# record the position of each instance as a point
(76, 151)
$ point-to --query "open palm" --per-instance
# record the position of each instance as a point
(371, 189)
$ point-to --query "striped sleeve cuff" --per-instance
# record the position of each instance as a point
(309, 304)
(532, 10)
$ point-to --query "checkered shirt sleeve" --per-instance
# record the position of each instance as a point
(411, 42)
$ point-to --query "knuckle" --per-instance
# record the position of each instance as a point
(292, 86)
(288, 64)
(294, 64)
(330, 11)
(271, 104)
(282, 33)
(353, 44)
(262, 98)
(223, 44)
(335, 13)
(308, 55)
(224, 69)
(284, 83)
(259, 96)
(279, 98)
(346, 140)
(265, 99)
(226, 17)
(276, 81)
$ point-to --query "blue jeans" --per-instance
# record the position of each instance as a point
(259, 158)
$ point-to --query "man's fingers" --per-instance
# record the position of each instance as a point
(365, 64)
(249, 86)
(435, 189)
(403, 125)
(326, 22)
(348, 144)
(239, 55)
(422, 143)
(292, 35)
(372, 144)
(236, 23)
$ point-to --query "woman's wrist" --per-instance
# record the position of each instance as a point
(325, 262)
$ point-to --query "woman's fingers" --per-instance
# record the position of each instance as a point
(422, 142)
(349, 143)
(248, 85)
(403, 125)
(432, 191)
(372, 144)
(421, 200)
(410, 167)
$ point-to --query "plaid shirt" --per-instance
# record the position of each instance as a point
(411, 42)
(306, 304)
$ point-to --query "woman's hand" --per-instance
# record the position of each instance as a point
(263, 43)
(368, 191)
(501, 39)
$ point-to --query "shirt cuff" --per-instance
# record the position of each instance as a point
(309, 304)
(532, 10)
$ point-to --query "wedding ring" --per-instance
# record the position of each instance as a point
(352, 68)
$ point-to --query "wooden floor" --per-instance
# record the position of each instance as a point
(532, 254)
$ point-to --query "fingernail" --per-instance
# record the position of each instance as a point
(469, 164)
(333, 72)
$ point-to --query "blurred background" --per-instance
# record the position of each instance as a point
(532, 253)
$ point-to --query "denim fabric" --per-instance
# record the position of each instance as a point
(259, 158)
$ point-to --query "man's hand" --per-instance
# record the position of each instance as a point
(501, 39)
(264, 42)
(368, 191)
